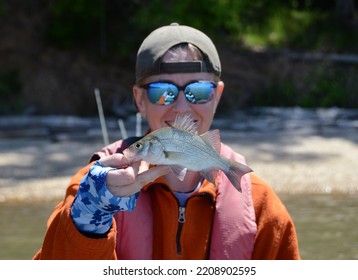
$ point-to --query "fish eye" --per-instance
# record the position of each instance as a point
(138, 145)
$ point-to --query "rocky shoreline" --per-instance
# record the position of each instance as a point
(295, 150)
(260, 120)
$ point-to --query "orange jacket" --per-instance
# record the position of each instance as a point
(275, 237)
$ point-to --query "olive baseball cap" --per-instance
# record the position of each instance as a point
(159, 41)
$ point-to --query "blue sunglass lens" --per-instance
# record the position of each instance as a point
(167, 93)
(200, 92)
(162, 93)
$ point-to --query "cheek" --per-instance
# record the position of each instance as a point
(206, 110)
(206, 114)
(155, 115)
(210, 110)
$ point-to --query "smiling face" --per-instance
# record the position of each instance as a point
(159, 116)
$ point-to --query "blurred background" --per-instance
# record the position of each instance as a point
(290, 106)
(274, 53)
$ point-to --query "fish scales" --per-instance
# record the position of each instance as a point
(180, 147)
(187, 143)
(194, 149)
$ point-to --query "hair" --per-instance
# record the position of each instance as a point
(180, 53)
(185, 52)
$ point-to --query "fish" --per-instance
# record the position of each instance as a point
(180, 147)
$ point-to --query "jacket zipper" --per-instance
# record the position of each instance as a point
(181, 220)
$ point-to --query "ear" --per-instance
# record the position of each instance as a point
(139, 99)
(219, 92)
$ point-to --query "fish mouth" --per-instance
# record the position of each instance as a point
(127, 154)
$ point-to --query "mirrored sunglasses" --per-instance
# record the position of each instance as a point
(164, 93)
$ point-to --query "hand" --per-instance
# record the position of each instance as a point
(111, 185)
(129, 179)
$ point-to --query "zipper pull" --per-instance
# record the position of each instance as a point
(181, 218)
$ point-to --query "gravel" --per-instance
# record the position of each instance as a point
(39, 169)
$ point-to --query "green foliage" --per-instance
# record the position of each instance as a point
(219, 18)
(329, 89)
(211, 16)
(279, 93)
(73, 21)
(304, 25)
(324, 86)
(2, 8)
(10, 93)
(281, 28)
(308, 24)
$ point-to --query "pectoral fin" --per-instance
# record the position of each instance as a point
(179, 171)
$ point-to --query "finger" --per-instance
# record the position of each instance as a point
(143, 166)
(116, 160)
(141, 180)
(124, 176)
(152, 174)
(126, 190)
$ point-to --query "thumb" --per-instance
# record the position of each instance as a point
(151, 174)
(116, 160)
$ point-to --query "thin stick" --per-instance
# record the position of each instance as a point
(101, 117)
(138, 125)
(123, 129)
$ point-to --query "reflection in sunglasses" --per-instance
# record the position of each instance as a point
(164, 93)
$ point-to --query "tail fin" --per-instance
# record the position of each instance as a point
(236, 171)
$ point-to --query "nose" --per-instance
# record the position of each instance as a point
(181, 105)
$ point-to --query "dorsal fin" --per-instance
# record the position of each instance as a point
(212, 137)
(185, 122)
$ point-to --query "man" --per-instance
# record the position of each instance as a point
(113, 210)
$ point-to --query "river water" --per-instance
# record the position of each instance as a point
(326, 225)
(309, 157)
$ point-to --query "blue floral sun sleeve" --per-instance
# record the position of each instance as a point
(94, 206)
